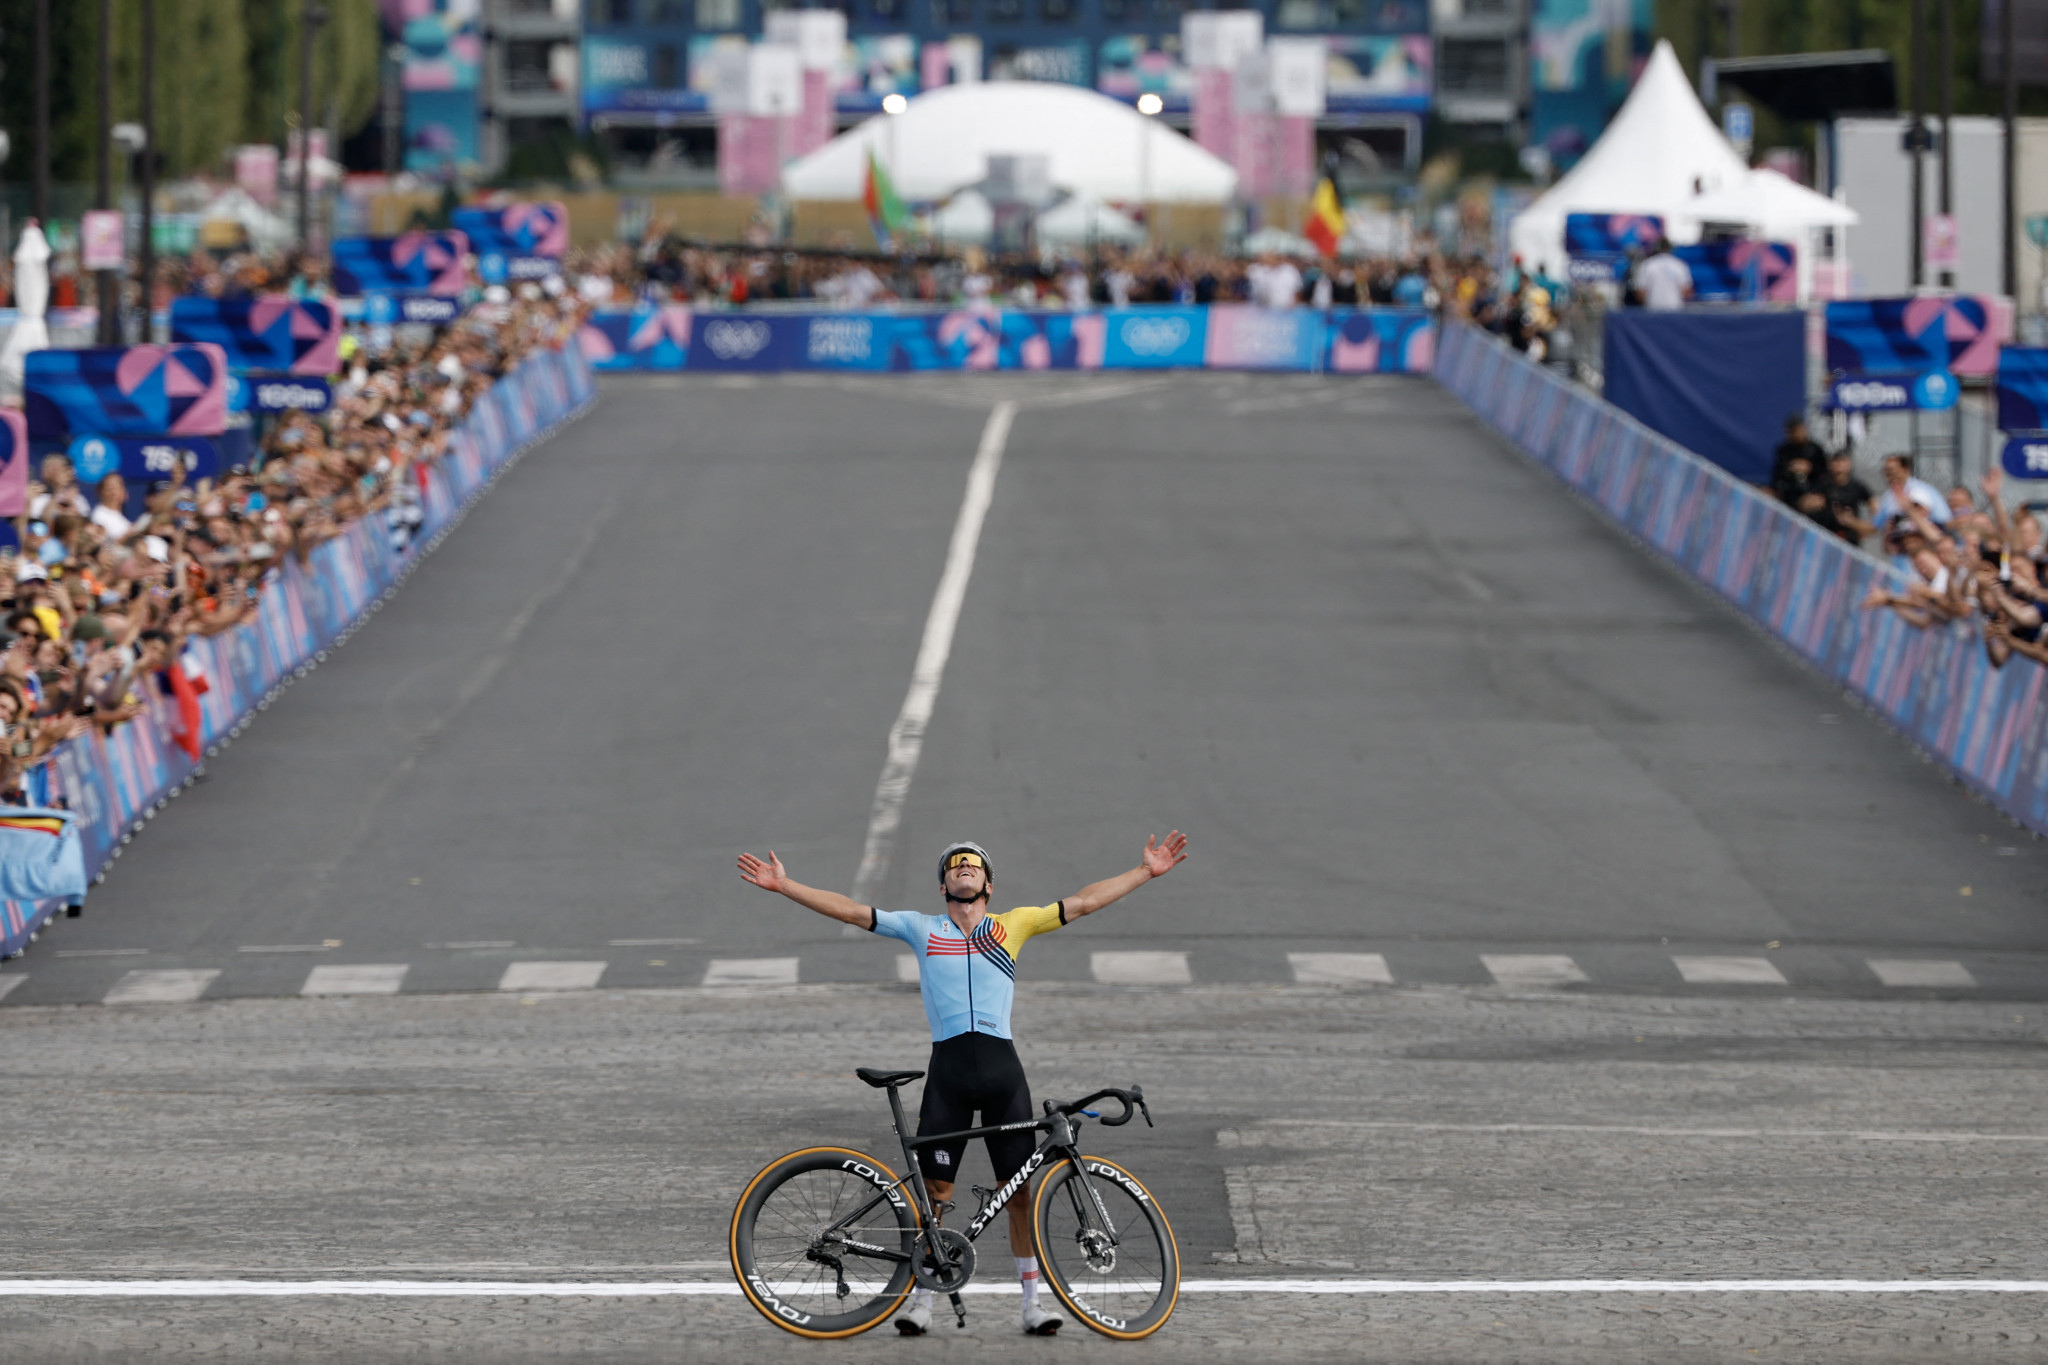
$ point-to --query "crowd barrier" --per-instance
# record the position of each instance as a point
(1224, 337)
(115, 781)
(1802, 584)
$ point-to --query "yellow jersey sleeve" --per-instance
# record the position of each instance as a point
(1026, 921)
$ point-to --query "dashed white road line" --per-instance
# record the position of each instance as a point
(356, 979)
(172, 986)
(619, 1289)
(550, 976)
(1532, 969)
(751, 971)
(1141, 969)
(1894, 971)
(1729, 971)
(8, 983)
(1340, 969)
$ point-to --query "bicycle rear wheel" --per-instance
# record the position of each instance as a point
(804, 1236)
(1114, 1264)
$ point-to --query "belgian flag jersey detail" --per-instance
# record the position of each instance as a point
(969, 980)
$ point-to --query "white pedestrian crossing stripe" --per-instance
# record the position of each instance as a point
(370, 978)
(1141, 969)
(1340, 969)
(1532, 969)
(1729, 971)
(906, 969)
(751, 971)
(550, 976)
(1899, 971)
(161, 987)
(8, 983)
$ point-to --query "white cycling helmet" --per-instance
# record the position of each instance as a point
(988, 873)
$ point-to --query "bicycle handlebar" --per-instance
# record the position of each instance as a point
(1133, 1101)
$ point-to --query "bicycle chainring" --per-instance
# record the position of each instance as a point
(947, 1262)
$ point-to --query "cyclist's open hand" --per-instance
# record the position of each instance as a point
(1162, 857)
(769, 876)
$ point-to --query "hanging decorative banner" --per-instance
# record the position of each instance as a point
(411, 263)
(272, 332)
(126, 390)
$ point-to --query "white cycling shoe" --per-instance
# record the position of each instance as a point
(1038, 1322)
(915, 1320)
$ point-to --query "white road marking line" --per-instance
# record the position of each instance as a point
(1237, 1136)
(1141, 969)
(357, 979)
(477, 943)
(1532, 969)
(8, 983)
(1899, 971)
(1729, 971)
(103, 952)
(652, 942)
(289, 947)
(906, 736)
(751, 971)
(1340, 969)
(550, 976)
(171, 987)
(617, 1289)
(906, 969)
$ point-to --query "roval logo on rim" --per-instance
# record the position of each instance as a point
(736, 340)
(1153, 336)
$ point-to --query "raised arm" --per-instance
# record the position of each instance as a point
(1160, 858)
(770, 876)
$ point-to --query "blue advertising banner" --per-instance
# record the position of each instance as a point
(142, 460)
(411, 263)
(2026, 457)
(517, 242)
(1988, 725)
(1934, 391)
(2023, 388)
(272, 332)
(1718, 382)
(1960, 333)
(1734, 271)
(1154, 339)
(126, 390)
(271, 393)
(385, 310)
(1598, 245)
(1345, 340)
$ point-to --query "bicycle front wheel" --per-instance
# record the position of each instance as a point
(822, 1242)
(1106, 1248)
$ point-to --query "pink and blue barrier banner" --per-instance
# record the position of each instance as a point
(1988, 725)
(126, 391)
(1226, 336)
(410, 263)
(109, 781)
(517, 242)
(271, 333)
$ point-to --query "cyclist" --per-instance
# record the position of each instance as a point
(967, 969)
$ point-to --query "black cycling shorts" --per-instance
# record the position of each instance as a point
(970, 1073)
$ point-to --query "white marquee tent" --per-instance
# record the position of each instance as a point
(942, 142)
(1778, 209)
(1659, 154)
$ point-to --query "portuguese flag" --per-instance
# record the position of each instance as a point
(1325, 226)
(886, 213)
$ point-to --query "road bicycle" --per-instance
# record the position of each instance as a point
(827, 1242)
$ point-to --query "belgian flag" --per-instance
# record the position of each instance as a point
(1325, 226)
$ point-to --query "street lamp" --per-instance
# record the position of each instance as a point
(893, 103)
(1150, 104)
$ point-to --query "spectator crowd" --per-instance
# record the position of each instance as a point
(108, 583)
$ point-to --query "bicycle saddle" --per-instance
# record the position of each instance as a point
(886, 1079)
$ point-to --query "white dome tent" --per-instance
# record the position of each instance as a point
(1084, 220)
(1658, 155)
(942, 140)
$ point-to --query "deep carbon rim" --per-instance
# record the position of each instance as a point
(1127, 1290)
(781, 1217)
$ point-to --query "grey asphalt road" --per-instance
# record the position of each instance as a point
(1406, 696)
(1684, 967)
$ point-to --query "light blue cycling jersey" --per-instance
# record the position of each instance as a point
(968, 982)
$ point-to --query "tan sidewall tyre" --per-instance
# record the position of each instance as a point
(1058, 1176)
(759, 1187)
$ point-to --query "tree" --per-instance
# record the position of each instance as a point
(346, 52)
